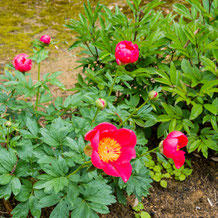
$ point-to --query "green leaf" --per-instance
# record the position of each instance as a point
(145, 214)
(61, 210)
(15, 185)
(49, 200)
(34, 207)
(21, 210)
(5, 179)
(197, 109)
(48, 139)
(194, 146)
(7, 159)
(181, 9)
(73, 100)
(182, 177)
(82, 209)
(211, 108)
(163, 183)
(32, 126)
(174, 75)
(139, 183)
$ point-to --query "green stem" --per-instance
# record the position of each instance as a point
(79, 168)
(112, 86)
(37, 94)
(136, 110)
(96, 113)
(8, 137)
(147, 152)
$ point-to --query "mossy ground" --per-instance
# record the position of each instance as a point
(23, 20)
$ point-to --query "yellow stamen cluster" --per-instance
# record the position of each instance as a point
(109, 150)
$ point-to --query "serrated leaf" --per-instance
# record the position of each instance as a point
(61, 210)
(32, 126)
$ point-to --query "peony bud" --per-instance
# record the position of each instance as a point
(153, 95)
(45, 39)
(161, 147)
(101, 103)
(8, 123)
(88, 150)
(22, 63)
(126, 52)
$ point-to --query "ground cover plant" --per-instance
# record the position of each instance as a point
(148, 87)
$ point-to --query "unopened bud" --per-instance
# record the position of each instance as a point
(153, 95)
(88, 150)
(101, 103)
(161, 147)
(8, 123)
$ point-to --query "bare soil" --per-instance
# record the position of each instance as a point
(195, 197)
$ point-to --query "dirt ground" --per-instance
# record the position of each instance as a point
(196, 197)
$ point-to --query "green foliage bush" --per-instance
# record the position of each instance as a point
(42, 159)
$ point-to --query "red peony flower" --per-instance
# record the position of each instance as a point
(126, 52)
(171, 145)
(45, 39)
(112, 149)
(22, 63)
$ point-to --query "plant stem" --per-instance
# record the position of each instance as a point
(37, 94)
(79, 168)
(147, 152)
(112, 86)
(96, 113)
(136, 110)
(8, 137)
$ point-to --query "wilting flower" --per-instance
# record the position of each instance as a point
(45, 39)
(101, 103)
(22, 63)
(153, 95)
(126, 52)
(171, 147)
(112, 149)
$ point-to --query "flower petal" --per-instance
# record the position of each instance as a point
(110, 170)
(90, 134)
(179, 159)
(105, 126)
(127, 153)
(125, 170)
(170, 147)
(125, 137)
(96, 161)
(183, 140)
(95, 141)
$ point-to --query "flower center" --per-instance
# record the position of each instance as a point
(109, 150)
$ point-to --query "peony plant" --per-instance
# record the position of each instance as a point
(73, 157)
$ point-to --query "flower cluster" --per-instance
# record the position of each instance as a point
(22, 63)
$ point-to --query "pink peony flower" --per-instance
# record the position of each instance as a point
(171, 145)
(45, 39)
(112, 149)
(22, 63)
(126, 52)
(101, 103)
